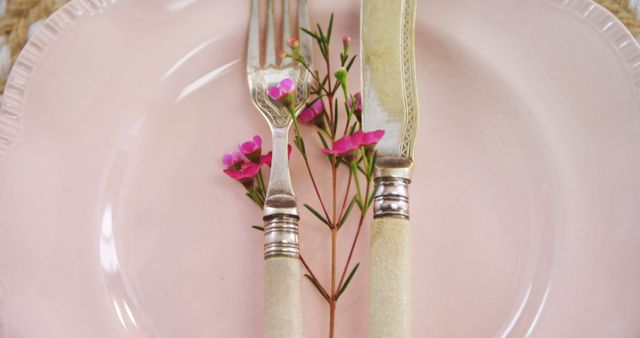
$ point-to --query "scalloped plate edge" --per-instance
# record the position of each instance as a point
(613, 30)
(13, 99)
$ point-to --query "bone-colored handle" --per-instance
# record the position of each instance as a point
(390, 278)
(282, 298)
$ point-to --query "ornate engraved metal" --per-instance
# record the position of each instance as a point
(409, 79)
(281, 236)
(261, 79)
(280, 208)
(391, 197)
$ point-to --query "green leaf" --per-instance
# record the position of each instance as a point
(346, 214)
(346, 283)
(324, 141)
(299, 143)
(255, 198)
(310, 33)
(317, 285)
(330, 29)
(325, 144)
(372, 164)
(335, 116)
(259, 228)
(353, 58)
(317, 214)
(321, 33)
(323, 51)
(353, 128)
(348, 110)
(370, 200)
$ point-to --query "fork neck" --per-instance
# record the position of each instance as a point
(280, 198)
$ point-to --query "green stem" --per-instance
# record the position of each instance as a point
(354, 172)
(363, 213)
(298, 135)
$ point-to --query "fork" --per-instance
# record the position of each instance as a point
(282, 273)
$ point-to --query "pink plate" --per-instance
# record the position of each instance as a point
(116, 220)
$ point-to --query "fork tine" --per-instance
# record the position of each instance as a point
(286, 29)
(253, 44)
(270, 51)
(305, 39)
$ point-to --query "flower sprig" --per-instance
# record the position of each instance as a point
(348, 149)
(245, 166)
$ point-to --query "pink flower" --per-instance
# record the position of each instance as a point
(275, 93)
(370, 139)
(314, 114)
(252, 149)
(232, 160)
(357, 106)
(287, 85)
(282, 90)
(346, 147)
(245, 174)
(266, 159)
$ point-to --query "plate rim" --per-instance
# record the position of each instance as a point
(17, 86)
(626, 48)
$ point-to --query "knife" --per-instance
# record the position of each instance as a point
(390, 102)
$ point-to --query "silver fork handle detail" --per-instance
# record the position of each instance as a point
(281, 236)
(280, 199)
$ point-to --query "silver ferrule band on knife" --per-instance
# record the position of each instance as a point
(391, 195)
(281, 236)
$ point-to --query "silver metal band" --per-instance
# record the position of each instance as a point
(281, 236)
(391, 197)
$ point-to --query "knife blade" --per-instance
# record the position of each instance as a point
(390, 102)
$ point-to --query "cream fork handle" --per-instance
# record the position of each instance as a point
(283, 298)
(282, 278)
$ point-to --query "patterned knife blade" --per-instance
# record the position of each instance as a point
(390, 103)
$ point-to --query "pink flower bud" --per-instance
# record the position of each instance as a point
(293, 42)
(346, 41)
(356, 105)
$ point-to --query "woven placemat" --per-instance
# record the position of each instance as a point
(20, 18)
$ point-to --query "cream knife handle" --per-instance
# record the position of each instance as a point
(390, 278)
(390, 265)
(282, 278)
